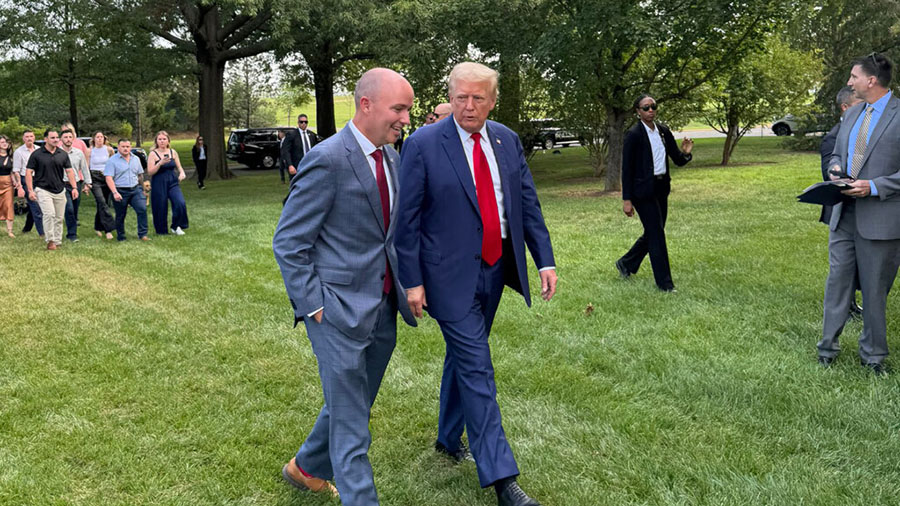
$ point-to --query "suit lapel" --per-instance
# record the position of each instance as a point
(887, 116)
(454, 149)
(392, 161)
(360, 165)
(503, 165)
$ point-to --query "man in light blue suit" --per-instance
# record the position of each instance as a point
(468, 208)
(334, 245)
(865, 226)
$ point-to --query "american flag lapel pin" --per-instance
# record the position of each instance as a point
(499, 143)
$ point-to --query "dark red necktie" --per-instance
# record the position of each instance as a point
(385, 195)
(491, 241)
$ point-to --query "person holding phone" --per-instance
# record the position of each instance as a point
(166, 173)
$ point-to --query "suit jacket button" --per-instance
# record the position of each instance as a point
(478, 257)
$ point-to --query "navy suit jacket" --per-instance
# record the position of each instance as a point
(439, 229)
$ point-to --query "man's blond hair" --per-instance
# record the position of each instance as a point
(472, 72)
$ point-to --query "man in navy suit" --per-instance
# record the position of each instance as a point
(467, 209)
(334, 245)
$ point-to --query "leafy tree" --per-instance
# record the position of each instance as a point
(763, 85)
(329, 34)
(841, 30)
(213, 32)
(602, 53)
(248, 83)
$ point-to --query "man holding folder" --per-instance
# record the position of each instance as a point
(865, 227)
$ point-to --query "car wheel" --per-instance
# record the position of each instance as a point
(781, 129)
(548, 143)
(268, 162)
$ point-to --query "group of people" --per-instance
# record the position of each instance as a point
(51, 177)
(366, 233)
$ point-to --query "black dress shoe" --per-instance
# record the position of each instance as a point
(877, 368)
(856, 311)
(511, 495)
(623, 272)
(459, 455)
(825, 361)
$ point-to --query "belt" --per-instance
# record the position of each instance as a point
(125, 188)
(659, 177)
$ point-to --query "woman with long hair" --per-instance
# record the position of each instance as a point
(100, 151)
(164, 168)
(198, 153)
(8, 184)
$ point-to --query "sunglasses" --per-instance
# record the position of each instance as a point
(648, 107)
(303, 122)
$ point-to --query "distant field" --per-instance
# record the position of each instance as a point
(343, 111)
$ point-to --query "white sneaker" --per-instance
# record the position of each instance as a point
(178, 231)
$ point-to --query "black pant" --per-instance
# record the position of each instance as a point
(201, 171)
(652, 212)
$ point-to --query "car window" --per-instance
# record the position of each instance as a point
(236, 138)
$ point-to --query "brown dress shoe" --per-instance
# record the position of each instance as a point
(291, 474)
(51, 246)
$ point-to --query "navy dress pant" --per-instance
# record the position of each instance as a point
(468, 392)
(165, 188)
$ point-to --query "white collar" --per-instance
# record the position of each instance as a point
(364, 143)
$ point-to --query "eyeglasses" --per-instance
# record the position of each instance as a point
(303, 122)
(648, 107)
(872, 55)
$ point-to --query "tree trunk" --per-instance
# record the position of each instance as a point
(731, 140)
(615, 138)
(323, 80)
(73, 105)
(138, 118)
(509, 108)
(212, 113)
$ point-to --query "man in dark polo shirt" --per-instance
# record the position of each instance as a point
(44, 179)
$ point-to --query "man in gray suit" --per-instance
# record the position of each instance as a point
(865, 227)
(334, 245)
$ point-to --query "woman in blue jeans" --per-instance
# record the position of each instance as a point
(166, 172)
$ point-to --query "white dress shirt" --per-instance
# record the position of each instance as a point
(20, 160)
(469, 147)
(659, 149)
(367, 149)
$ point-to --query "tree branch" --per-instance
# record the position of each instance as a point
(251, 50)
(241, 33)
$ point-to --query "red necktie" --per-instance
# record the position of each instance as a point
(381, 180)
(491, 241)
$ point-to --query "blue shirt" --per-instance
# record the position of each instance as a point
(878, 109)
(124, 172)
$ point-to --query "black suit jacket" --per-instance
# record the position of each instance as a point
(195, 154)
(292, 147)
(637, 160)
(825, 149)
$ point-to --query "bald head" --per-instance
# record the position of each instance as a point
(443, 110)
(375, 80)
(383, 100)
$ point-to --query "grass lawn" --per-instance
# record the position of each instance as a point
(168, 372)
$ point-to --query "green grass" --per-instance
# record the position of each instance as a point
(343, 111)
(169, 372)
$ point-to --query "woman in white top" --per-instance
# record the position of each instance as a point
(104, 222)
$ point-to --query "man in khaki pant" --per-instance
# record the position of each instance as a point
(44, 179)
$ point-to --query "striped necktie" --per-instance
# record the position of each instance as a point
(859, 149)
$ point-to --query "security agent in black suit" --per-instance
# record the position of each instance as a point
(645, 189)
(297, 143)
(845, 100)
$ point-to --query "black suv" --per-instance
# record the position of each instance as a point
(548, 134)
(255, 147)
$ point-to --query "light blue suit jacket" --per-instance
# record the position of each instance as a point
(877, 217)
(330, 242)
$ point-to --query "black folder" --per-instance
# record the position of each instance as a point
(826, 193)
